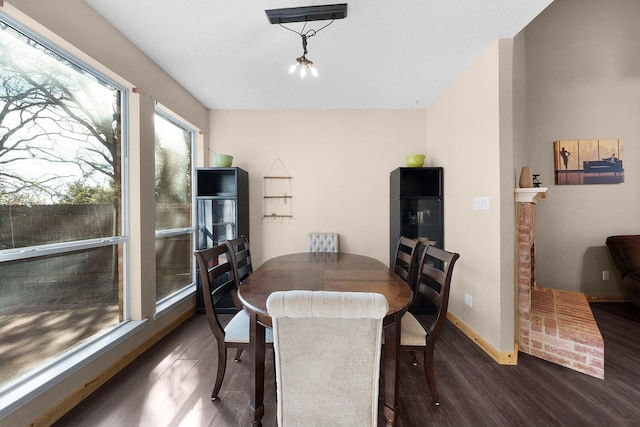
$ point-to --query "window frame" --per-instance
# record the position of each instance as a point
(25, 388)
(165, 304)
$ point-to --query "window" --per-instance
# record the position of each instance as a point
(174, 218)
(62, 238)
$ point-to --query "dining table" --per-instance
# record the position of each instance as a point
(324, 271)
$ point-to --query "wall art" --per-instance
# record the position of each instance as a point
(589, 161)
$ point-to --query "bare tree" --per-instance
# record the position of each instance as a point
(55, 125)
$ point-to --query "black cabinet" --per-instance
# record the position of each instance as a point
(222, 212)
(416, 208)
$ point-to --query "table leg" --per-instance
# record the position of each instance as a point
(391, 363)
(256, 371)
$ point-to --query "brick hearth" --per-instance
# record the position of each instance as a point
(554, 325)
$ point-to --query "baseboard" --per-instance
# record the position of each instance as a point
(69, 402)
(501, 357)
(606, 298)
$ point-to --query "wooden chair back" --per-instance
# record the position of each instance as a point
(433, 283)
(241, 257)
(219, 280)
(435, 270)
(404, 264)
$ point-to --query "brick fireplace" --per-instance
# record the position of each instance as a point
(554, 325)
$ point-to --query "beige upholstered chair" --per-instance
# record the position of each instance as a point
(433, 283)
(324, 242)
(327, 351)
(219, 279)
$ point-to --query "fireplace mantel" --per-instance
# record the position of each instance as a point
(530, 195)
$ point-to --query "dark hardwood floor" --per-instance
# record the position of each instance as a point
(170, 385)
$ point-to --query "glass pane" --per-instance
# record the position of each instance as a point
(217, 221)
(174, 260)
(421, 219)
(50, 304)
(173, 175)
(35, 225)
(174, 255)
(60, 150)
(60, 181)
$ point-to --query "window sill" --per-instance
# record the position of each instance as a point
(165, 305)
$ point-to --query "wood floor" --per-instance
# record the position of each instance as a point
(171, 383)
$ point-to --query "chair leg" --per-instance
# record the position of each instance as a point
(238, 353)
(414, 360)
(428, 371)
(222, 366)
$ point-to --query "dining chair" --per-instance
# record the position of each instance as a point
(323, 242)
(219, 280)
(327, 349)
(435, 269)
(241, 257)
(404, 263)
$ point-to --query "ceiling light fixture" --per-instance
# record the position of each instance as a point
(306, 14)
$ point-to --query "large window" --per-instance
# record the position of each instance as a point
(174, 230)
(62, 237)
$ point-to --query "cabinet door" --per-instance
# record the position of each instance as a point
(421, 218)
(217, 221)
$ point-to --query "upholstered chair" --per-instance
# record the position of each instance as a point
(625, 252)
(327, 352)
(324, 242)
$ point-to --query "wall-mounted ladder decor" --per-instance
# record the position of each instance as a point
(277, 196)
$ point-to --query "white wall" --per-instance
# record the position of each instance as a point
(340, 162)
(583, 82)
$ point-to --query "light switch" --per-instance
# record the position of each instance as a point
(481, 203)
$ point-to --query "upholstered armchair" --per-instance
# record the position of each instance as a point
(327, 351)
(324, 242)
(625, 252)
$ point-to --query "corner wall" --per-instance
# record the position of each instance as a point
(470, 134)
(583, 82)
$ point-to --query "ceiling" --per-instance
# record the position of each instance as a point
(383, 55)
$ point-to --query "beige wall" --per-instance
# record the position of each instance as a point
(340, 163)
(466, 136)
(583, 82)
(76, 28)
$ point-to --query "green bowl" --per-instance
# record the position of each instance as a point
(415, 160)
(222, 160)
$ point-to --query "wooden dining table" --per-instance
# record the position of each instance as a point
(323, 271)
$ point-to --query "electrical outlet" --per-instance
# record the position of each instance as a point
(605, 274)
(468, 299)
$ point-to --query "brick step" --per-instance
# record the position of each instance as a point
(561, 329)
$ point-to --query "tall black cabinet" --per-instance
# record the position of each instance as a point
(222, 212)
(416, 208)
